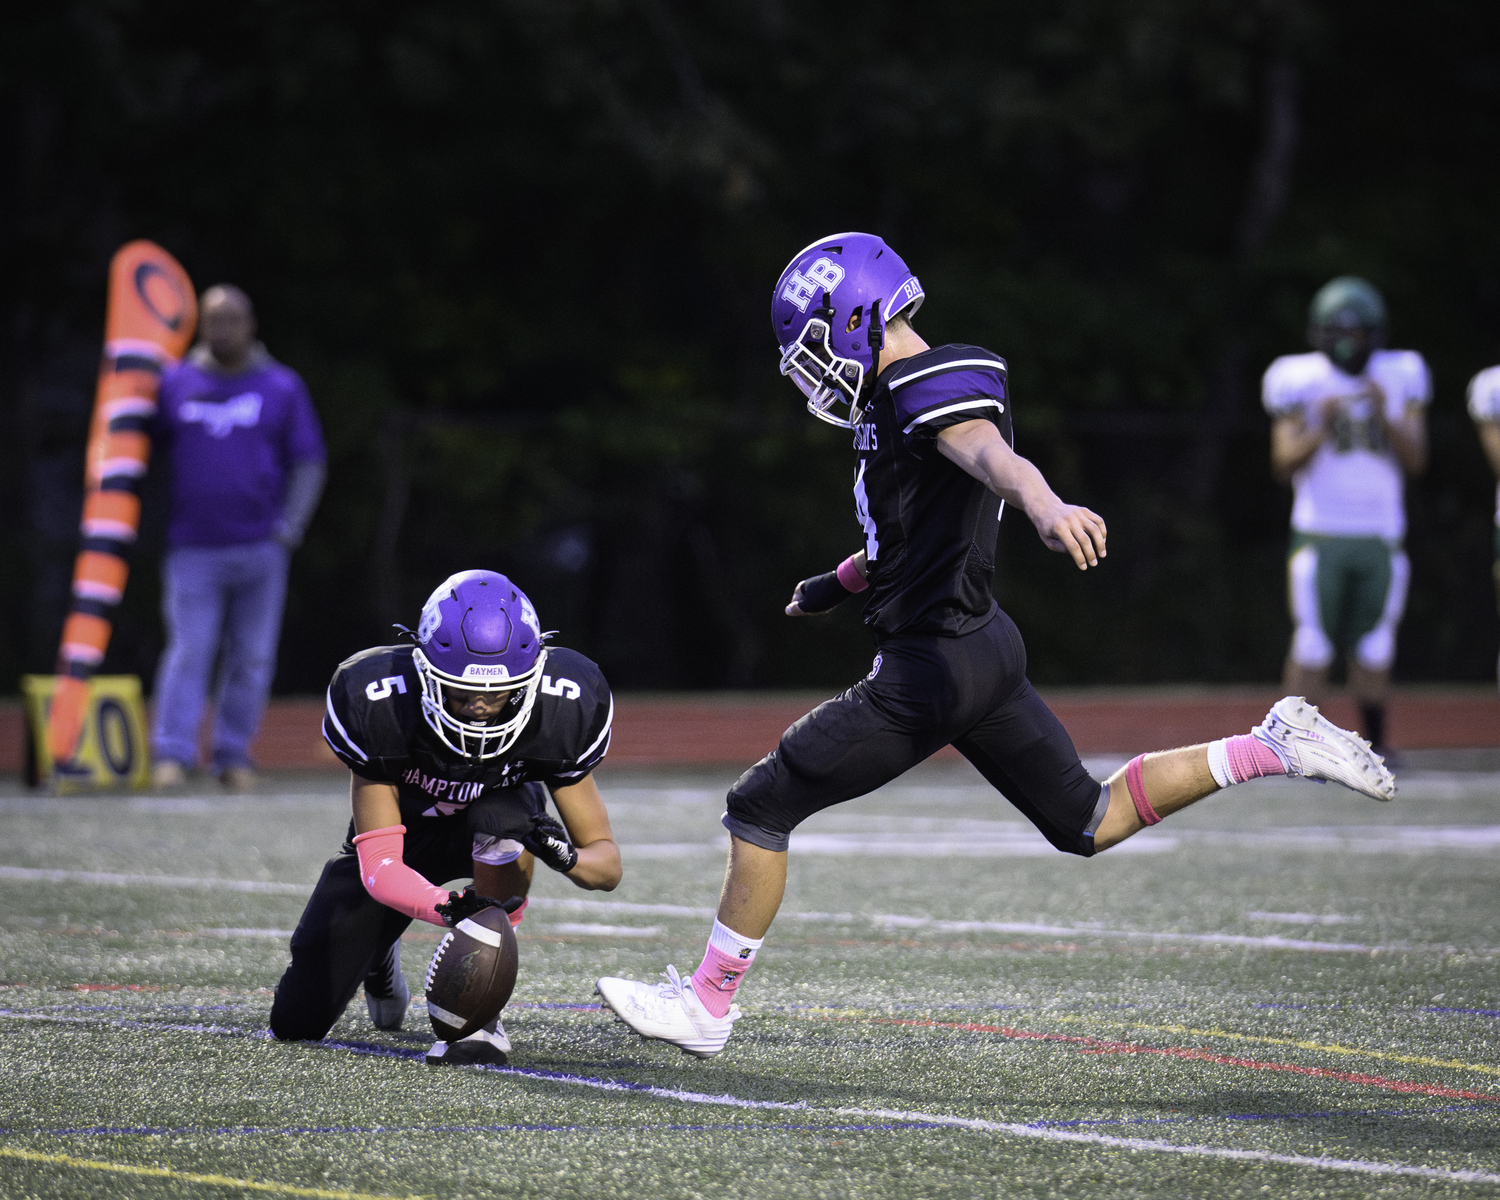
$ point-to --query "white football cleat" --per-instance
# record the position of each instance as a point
(1312, 746)
(386, 994)
(488, 1046)
(669, 1012)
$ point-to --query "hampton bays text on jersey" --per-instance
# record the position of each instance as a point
(451, 794)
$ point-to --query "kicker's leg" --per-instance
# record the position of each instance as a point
(1294, 739)
(754, 884)
(1171, 780)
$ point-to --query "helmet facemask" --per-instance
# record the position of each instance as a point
(474, 739)
(824, 378)
(1347, 342)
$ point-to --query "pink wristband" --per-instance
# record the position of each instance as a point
(1137, 786)
(391, 881)
(848, 574)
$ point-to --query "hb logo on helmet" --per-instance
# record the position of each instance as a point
(824, 274)
(431, 617)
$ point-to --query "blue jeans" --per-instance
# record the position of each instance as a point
(220, 603)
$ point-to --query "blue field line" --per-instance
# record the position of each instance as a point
(1470, 1012)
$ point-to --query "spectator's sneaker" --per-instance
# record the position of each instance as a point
(168, 775)
(487, 1047)
(386, 994)
(669, 1012)
(1311, 745)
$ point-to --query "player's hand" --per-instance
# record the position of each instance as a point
(462, 905)
(818, 595)
(1073, 530)
(548, 840)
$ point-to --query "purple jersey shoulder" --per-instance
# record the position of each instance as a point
(947, 386)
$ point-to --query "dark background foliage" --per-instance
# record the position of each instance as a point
(522, 251)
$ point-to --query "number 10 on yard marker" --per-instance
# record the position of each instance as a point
(112, 752)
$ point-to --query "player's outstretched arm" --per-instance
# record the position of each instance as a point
(582, 810)
(981, 450)
(379, 839)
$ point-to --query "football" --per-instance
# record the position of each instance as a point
(472, 974)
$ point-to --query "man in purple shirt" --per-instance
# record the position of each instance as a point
(247, 462)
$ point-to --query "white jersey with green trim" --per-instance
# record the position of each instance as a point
(1484, 405)
(1353, 485)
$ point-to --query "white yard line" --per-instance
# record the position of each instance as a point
(1358, 1166)
(884, 920)
(107, 879)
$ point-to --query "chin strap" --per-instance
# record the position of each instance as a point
(877, 344)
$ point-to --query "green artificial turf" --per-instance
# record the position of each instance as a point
(934, 964)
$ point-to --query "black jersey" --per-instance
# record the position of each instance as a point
(374, 723)
(930, 526)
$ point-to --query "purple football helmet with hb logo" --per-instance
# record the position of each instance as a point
(479, 633)
(829, 311)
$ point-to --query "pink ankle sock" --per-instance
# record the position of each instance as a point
(718, 976)
(515, 917)
(1250, 758)
(717, 979)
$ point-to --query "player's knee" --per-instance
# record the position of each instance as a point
(297, 1027)
(751, 812)
(1311, 648)
(1376, 651)
(291, 1022)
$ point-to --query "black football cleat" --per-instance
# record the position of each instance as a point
(386, 993)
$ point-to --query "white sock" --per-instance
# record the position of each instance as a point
(735, 945)
(1218, 762)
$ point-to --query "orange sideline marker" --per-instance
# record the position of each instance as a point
(148, 325)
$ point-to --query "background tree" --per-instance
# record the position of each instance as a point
(522, 251)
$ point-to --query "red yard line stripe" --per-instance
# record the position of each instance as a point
(1101, 1046)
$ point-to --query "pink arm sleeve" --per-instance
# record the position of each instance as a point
(390, 880)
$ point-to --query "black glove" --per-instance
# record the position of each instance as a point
(462, 905)
(821, 593)
(549, 842)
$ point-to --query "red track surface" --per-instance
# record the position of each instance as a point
(685, 729)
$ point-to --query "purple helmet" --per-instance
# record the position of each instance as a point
(829, 311)
(479, 633)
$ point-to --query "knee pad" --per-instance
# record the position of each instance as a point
(751, 801)
(497, 851)
(1311, 648)
(1376, 650)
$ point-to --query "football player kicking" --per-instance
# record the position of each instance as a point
(932, 435)
(454, 743)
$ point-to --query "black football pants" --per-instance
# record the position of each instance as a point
(344, 931)
(925, 693)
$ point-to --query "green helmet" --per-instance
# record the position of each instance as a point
(1346, 321)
